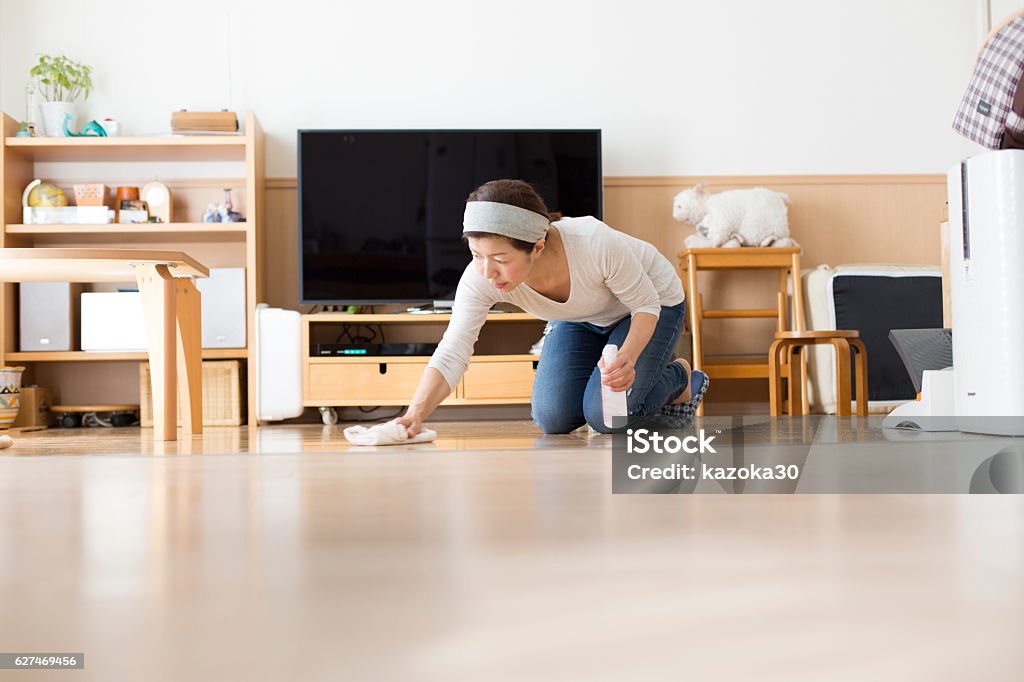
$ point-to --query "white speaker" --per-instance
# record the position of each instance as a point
(113, 320)
(47, 314)
(223, 308)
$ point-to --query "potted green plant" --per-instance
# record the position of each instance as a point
(61, 82)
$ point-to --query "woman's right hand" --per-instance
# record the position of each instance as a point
(413, 424)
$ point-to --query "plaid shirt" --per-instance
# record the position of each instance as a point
(987, 108)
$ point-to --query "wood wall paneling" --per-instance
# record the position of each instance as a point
(836, 219)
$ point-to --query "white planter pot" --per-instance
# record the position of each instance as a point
(53, 114)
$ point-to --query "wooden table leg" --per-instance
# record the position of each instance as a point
(698, 341)
(862, 377)
(798, 294)
(797, 382)
(782, 321)
(843, 397)
(158, 304)
(805, 390)
(775, 377)
(696, 326)
(188, 305)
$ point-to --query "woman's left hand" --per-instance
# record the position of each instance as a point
(620, 374)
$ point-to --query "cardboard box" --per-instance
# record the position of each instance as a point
(34, 407)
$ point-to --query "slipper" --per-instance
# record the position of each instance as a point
(388, 433)
(5, 441)
(698, 379)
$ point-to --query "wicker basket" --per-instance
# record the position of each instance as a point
(223, 394)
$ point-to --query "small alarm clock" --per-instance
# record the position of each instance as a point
(158, 199)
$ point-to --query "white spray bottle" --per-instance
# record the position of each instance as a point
(613, 402)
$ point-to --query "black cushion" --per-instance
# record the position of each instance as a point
(876, 304)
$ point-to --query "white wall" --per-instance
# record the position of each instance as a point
(680, 87)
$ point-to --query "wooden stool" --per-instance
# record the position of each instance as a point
(787, 347)
(785, 260)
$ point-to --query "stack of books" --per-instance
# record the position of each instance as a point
(204, 122)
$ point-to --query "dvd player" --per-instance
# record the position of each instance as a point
(373, 349)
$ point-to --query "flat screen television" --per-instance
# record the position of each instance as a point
(380, 211)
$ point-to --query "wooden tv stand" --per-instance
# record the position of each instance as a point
(500, 373)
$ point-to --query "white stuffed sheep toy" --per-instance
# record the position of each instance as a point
(738, 217)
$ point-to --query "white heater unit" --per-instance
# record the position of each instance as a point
(986, 243)
(278, 363)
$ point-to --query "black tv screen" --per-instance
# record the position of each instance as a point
(380, 211)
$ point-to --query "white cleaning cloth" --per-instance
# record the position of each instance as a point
(6, 441)
(388, 433)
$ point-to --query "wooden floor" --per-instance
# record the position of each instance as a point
(495, 553)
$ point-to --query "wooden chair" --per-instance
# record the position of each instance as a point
(787, 348)
(785, 260)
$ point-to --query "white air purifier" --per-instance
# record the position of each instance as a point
(278, 363)
(986, 244)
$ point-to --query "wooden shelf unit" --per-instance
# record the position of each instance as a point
(114, 356)
(494, 377)
(136, 230)
(213, 244)
(155, 148)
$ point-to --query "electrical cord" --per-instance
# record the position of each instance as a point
(362, 334)
(344, 332)
(93, 419)
(366, 410)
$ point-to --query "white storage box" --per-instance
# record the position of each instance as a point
(872, 299)
(66, 215)
(113, 321)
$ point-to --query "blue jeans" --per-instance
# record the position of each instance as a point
(567, 388)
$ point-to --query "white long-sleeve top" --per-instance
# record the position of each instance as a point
(611, 275)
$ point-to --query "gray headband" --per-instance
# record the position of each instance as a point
(503, 219)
